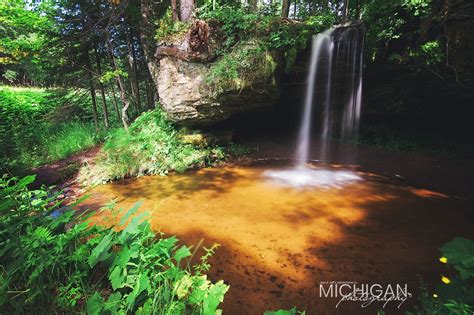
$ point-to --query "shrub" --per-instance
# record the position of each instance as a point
(52, 262)
(152, 146)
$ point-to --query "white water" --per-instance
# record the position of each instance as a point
(307, 177)
(319, 92)
(322, 44)
(353, 68)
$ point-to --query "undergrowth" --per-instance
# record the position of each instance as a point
(152, 146)
(38, 126)
(54, 262)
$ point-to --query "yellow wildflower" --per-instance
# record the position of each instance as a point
(444, 260)
(435, 295)
(445, 280)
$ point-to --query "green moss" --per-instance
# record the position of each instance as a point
(170, 31)
(245, 65)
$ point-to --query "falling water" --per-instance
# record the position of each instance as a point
(334, 89)
(353, 69)
(322, 44)
(332, 67)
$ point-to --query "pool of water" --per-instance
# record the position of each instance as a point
(282, 230)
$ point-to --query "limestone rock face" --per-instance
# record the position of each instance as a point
(188, 99)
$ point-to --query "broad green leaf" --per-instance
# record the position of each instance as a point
(457, 250)
(215, 297)
(132, 227)
(181, 253)
(130, 212)
(113, 302)
(102, 247)
(95, 304)
(141, 285)
(116, 277)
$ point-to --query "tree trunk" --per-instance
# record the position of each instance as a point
(174, 8)
(186, 9)
(121, 86)
(326, 5)
(92, 89)
(147, 34)
(357, 12)
(133, 72)
(345, 11)
(285, 8)
(253, 5)
(149, 93)
(114, 99)
(102, 92)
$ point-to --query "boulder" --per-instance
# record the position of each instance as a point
(196, 87)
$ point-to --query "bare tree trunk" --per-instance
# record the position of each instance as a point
(149, 94)
(114, 99)
(147, 35)
(285, 8)
(345, 11)
(357, 9)
(174, 8)
(326, 5)
(253, 5)
(133, 71)
(121, 86)
(186, 9)
(92, 90)
(102, 92)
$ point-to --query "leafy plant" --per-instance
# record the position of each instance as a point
(292, 311)
(52, 261)
(455, 293)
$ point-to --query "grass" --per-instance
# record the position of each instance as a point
(71, 138)
(39, 126)
(152, 146)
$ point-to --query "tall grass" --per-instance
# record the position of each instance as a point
(70, 138)
(38, 126)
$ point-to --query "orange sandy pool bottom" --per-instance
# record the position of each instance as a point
(278, 243)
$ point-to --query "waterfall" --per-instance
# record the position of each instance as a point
(322, 46)
(336, 59)
(334, 90)
(353, 69)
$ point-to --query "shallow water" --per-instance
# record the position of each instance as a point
(280, 238)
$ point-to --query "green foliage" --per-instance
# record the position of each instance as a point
(455, 293)
(247, 64)
(55, 263)
(399, 21)
(69, 138)
(152, 146)
(23, 37)
(292, 311)
(169, 30)
(237, 24)
(39, 126)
